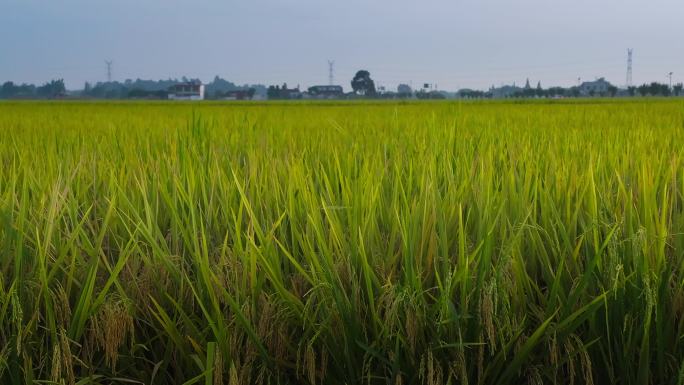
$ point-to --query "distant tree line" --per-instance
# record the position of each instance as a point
(644, 90)
(362, 86)
(151, 89)
(283, 92)
(430, 95)
(50, 90)
(133, 89)
(656, 89)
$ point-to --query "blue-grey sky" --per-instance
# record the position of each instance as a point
(452, 43)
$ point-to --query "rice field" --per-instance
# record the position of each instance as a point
(351, 243)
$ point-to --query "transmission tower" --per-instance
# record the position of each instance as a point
(331, 72)
(629, 66)
(109, 70)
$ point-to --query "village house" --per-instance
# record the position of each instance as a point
(239, 95)
(193, 90)
(598, 87)
(326, 92)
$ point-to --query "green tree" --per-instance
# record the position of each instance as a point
(52, 89)
(612, 91)
(643, 89)
(362, 84)
(631, 90)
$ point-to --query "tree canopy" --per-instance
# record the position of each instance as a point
(362, 84)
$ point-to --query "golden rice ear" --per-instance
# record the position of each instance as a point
(18, 318)
(62, 366)
(398, 380)
(437, 372)
(323, 364)
(459, 368)
(553, 351)
(218, 367)
(56, 369)
(569, 351)
(533, 376)
(310, 364)
(411, 332)
(487, 310)
(265, 318)
(115, 326)
(233, 375)
(67, 358)
(430, 372)
(61, 307)
(585, 361)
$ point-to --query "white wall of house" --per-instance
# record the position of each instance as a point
(188, 95)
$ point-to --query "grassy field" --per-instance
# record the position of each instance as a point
(374, 243)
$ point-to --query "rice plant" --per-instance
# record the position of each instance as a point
(350, 243)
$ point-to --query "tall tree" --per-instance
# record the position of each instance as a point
(362, 84)
(612, 91)
(631, 90)
(52, 89)
(643, 89)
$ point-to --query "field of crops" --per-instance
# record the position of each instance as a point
(374, 243)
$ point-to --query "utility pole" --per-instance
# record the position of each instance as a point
(109, 70)
(629, 66)
(670, 76)
(331, 72)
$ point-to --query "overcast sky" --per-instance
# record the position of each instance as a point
(453, 43)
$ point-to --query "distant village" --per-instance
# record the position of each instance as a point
(362, 87)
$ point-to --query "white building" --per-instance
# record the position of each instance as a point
(187, 91)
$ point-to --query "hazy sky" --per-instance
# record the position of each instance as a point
(453, 43)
